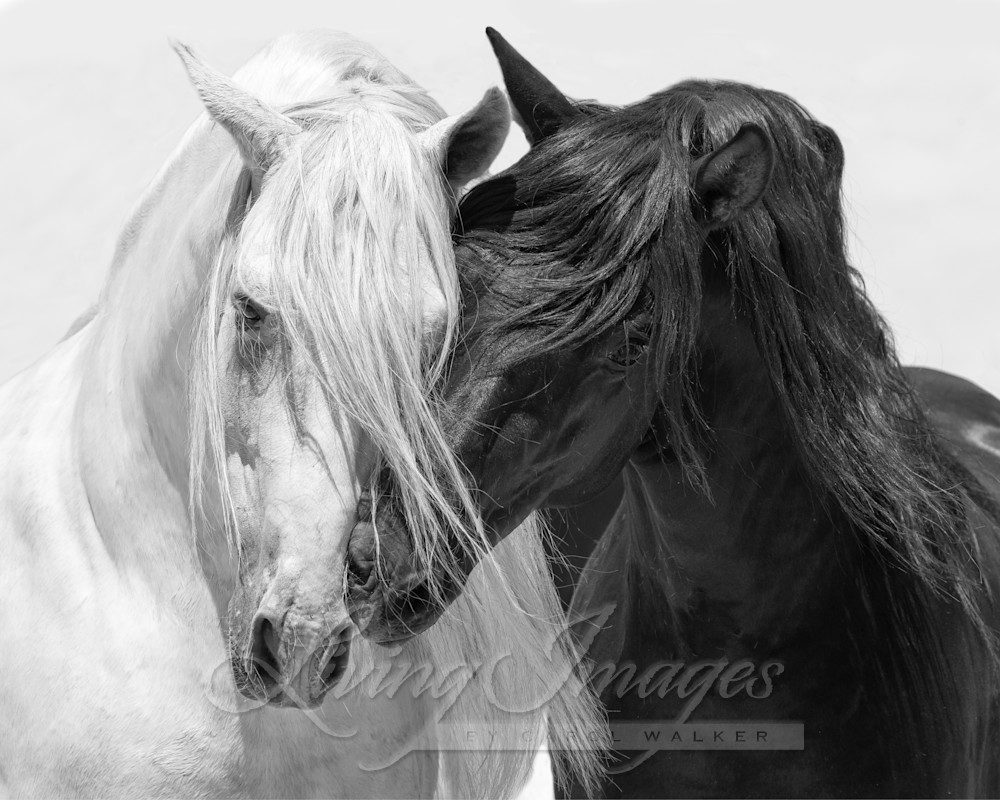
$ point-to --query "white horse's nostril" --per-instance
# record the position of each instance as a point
(333, 662)
(336, 664)
(264, 651)
(289, 664)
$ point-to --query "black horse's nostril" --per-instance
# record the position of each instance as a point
(359, 568)
(361, 555)
(264, 651)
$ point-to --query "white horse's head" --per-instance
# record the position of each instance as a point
(326, 322)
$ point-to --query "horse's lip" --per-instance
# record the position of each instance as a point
(283, 700)
(296, 692)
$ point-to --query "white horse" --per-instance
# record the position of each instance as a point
(179, 476)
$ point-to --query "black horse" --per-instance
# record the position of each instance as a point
(662, 291)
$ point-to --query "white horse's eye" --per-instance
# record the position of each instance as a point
(248, 313)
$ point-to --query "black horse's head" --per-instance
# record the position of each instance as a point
(585, 268)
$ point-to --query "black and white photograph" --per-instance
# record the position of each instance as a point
(526, 400)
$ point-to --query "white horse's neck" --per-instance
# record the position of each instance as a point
(133, 405)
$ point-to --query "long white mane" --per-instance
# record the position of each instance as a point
(366, 204)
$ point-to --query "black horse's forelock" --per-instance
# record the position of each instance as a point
(600, 217)
(592, 224)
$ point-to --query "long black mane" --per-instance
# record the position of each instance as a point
(599, 220)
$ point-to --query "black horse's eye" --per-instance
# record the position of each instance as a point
(631, 350)
(248, 313)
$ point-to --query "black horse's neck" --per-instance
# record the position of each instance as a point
(759, 547)
(766, 570)
(756, 572)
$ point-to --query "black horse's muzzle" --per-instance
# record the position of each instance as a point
(392, 594)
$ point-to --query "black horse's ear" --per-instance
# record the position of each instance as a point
(732, 178)
(832, 150)
(539, 107)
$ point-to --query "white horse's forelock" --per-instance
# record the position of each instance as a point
(357, 206)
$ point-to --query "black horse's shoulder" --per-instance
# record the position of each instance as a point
(946, 394)
(967, 417)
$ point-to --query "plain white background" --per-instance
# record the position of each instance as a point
(93, 101)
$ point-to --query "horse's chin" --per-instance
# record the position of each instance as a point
(282, 700)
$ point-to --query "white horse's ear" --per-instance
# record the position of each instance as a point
(261, 133)
(467, 144)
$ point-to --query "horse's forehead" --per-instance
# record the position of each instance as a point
(263, 260)
(363, 99)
